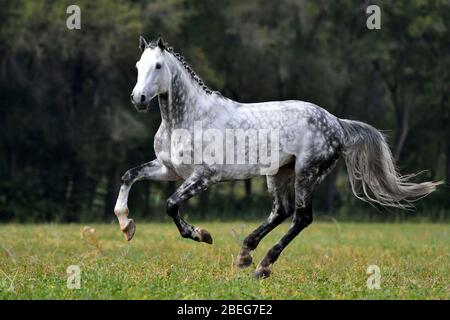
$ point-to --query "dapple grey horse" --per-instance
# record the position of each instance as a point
(310, 141)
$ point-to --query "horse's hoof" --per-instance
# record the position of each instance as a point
(205, 236)
(202, 236)
(129, 230)
(244, 261)
(262, 273)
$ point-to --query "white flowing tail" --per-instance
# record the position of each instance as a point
(372, 172)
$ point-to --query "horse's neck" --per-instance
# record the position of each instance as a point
(180, 105)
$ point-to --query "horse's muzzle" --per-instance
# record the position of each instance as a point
(141, 107)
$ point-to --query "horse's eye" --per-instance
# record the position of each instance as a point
(158, 66)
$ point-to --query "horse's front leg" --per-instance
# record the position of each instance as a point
(196, 183)
(152, 170)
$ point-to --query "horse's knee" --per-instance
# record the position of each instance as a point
(171, 207)
(128, 177)
(121, 211)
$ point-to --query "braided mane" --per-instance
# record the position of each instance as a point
(180, 58)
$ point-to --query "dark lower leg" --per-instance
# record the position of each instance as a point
(278, 187)
(253, 239)
(302, 218)
(187, 230)
(192, 186)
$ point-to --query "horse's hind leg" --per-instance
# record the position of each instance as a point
(278, 186)
(304, 184)
(308, 173)
(196, 183)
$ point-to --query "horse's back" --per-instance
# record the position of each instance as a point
(306, 130)
(290, 116)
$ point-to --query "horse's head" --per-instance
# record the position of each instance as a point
(153, 73)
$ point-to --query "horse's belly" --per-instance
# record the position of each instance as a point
(245, 171)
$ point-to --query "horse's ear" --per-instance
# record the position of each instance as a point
(142, 43)
(161, 44)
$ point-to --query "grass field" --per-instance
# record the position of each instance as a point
(328, 260)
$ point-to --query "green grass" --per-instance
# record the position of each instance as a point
(328, 260)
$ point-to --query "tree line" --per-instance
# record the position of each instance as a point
(69, 131)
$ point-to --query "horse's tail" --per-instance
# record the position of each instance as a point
(372, 172)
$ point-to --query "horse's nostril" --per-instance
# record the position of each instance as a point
(131, 96)
(142, 98)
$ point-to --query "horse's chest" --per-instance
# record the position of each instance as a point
(162, 147)
(165, 151)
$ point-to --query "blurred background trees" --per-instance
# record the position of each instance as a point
(68, 130)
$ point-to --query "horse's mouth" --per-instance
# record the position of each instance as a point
(141, 107)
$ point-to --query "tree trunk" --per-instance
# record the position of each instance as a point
(330, 189)
(248, 187)
(231, 194)
(402, 129)
(204, 203)
(446, 130)
(111, 192)
(447, 154)
(148, 206)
